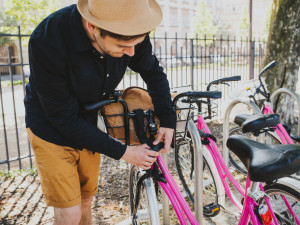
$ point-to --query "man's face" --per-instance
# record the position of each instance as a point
(115, 47)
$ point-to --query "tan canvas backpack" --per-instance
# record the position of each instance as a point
(135, 98)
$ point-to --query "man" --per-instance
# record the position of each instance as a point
(78, 55)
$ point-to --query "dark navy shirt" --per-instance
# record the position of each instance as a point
(68, 73)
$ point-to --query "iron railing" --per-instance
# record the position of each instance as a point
(190, 63)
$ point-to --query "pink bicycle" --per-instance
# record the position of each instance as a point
(279, 134)
(216, 174)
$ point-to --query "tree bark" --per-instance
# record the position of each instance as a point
(283, 46)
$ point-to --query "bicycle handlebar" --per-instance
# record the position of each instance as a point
(198, 94)
(206, 94)
(267, 67)
(264, 91)
(223, 81)
(97, 105)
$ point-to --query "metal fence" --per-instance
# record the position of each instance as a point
(190, 63)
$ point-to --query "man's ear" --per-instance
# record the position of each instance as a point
(91, 28)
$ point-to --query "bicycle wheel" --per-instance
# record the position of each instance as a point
(283, 215)
(143, 203)
(234, 160)
(184, 158)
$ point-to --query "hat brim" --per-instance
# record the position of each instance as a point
(130, 27)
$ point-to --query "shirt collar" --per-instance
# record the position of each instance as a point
(79, 37)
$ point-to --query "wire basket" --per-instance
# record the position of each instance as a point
(118, 130)
(189, 110)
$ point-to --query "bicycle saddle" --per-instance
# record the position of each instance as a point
(265, 162)
(251, 123)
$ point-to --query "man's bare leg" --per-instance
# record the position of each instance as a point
(67, 216)
(86, 210)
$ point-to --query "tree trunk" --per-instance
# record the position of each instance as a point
(284, 47)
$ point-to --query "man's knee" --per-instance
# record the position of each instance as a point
(66, 216)
(86, 200)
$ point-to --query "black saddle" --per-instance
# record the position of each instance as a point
(265, 163)
(252, 123)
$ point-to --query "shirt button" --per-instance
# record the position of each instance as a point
(104, 93)
(107, 75)
(101, 57)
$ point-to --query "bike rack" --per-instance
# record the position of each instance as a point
(294, 95)
(228, 110)
(198, 162)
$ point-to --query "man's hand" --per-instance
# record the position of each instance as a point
(167, 135)
(140, 156)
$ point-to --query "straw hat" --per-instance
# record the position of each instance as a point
(124, 17)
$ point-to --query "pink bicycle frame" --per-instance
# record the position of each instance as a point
(249, 206)
(175, 196)
(223, 171)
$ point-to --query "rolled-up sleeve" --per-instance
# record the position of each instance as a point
(146, 63)
(50, 79)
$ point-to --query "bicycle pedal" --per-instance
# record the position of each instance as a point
(211, 209)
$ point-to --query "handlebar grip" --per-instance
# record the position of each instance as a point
(267, 67)
(205, 94)
(226, 79)
(99, 104)
(234, 78)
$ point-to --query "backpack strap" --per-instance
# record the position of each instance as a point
(139, 126)
(141, 130)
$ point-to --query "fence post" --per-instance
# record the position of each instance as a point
(251, 61)
(192, 62)
(21, 59)
(4, 128)
(23, 82)
(14, 105)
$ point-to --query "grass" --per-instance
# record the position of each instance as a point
(10, 174)
(7, 83)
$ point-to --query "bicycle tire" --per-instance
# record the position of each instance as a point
(234, 161)
(143, 206)
(281, 211)
(184, 153)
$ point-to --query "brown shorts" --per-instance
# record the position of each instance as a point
(66, 174)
